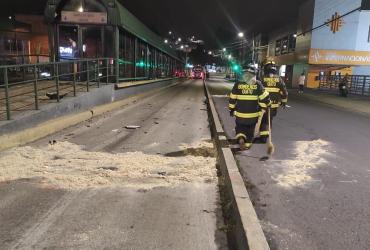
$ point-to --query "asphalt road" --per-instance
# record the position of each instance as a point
(182, 216)
(314, 192)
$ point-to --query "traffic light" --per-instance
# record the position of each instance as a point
(235, 67)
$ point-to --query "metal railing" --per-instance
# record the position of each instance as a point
(357, 84)
(10, 59)
(25, 87)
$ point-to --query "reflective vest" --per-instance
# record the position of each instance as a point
(247, 100)
(277, 90)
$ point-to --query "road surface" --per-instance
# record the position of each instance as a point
(71, 190)
(314, 192)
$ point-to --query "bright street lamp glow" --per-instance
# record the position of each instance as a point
(241, 34)
(209, 52)
(81, 9)
(170, 32)
(10, 17)
(295, 35)
(230, 56)
(166, 41)
(179, 39)
(224, 49)
(182, 46)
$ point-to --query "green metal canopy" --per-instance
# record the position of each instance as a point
(120, 16)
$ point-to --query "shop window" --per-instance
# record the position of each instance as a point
(278, 48)
(284, 45)
(292, 43)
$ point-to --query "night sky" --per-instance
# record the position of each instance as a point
(215, 21)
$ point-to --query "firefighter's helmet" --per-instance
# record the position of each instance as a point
(270, 67)
(251, 68)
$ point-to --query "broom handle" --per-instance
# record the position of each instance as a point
(270, 136)
(257, 129)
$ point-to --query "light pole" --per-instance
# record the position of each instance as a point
(241, 36)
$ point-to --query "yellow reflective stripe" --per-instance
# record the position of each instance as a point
(232, 106)
(241, 135)
(275, 105)
(265, 133)
(273, 90)
(232, 96)
(263, 105)
(247, 98)
(284, 100)
(248, 145)
(247, 115)
(264, 95)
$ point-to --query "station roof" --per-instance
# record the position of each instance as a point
(120, 16)
(130, 23)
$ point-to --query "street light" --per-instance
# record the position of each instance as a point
(165, 41)
(209, 52)
(179, 39)
(224, 49)
(182, 47)
(230, 56)
(81, 9)
(170, 32)
(240, 34)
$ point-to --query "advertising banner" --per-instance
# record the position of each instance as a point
(339, 57)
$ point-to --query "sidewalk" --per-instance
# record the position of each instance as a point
(358, 104)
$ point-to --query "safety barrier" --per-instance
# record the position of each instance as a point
(357, 84)
(24, 87)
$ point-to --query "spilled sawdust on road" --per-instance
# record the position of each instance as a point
(67, 165)
(308, 155)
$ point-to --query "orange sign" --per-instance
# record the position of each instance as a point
(339, 57)
(335, 23)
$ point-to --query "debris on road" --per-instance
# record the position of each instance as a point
(69, 166)
(132, 127)
(308, 155)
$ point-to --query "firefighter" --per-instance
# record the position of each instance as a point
(278, 95)
(247, 98)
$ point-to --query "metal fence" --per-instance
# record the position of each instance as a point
(357, 84)
(25, 87)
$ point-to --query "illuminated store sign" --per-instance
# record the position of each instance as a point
(66, 52)
(339, 57)
(84, 17)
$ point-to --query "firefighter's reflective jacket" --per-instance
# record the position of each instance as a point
(277, 90)
(247, 100)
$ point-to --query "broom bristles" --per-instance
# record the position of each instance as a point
(270, 149)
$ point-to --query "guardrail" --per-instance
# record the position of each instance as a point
(357, 84)
(24, 87)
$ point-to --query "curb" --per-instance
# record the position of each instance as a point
(54, 125)
(248, 233)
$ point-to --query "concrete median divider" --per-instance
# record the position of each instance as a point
(246, 231)
(43, 127)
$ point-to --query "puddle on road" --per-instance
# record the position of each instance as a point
(67, 165)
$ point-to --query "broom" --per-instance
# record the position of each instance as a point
(270, 147)
(258, 125)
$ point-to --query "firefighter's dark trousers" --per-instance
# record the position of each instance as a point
(246, 132)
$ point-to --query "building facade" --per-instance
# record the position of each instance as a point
(329, 37)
